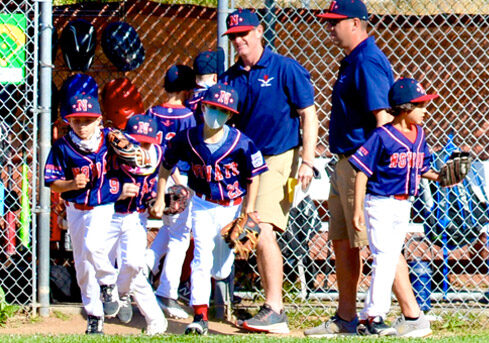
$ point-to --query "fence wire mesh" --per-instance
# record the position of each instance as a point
(443, 44)
(18, 62)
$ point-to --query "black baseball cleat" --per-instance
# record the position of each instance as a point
(198, 327)
(95, 325)
(110, 300)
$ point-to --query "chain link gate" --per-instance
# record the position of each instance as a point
(441, 44)
(18, 151)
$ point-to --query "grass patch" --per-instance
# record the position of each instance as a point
(61, 315)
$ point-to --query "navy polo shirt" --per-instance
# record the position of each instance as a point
(269, 96)
(362, 86)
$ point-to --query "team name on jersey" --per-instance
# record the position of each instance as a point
(95, 168)
(205, 171)
(404, 159)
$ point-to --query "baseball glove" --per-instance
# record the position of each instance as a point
(455, 169)
(129, 153)
(242, 234)
(177, 199)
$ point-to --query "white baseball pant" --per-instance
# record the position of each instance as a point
(387, 221)
(87, 229)
(212, 256)
(128, 233)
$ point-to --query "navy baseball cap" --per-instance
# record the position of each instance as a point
(222, 96)
(407, 90)
(83, 105)
(342, 9)
(241, 20)
(209, 62)
(179, 78)
(142, 128)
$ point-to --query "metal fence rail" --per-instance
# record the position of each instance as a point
(442, 44)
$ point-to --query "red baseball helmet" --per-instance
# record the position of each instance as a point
(121, 100)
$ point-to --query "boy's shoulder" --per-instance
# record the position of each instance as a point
(170, 111)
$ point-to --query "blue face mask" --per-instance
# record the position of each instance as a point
(213, 117)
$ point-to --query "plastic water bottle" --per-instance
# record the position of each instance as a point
(420, 275)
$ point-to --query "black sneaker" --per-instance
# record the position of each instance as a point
(376, 326)
(267, 320)
(125, 311)
(198, 327)
(95, 325)
(110, 300)
(171, 307)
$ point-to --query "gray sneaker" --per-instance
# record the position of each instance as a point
(125, 311)
(171, 308)
(267, 320)
(413, 328)
(110, 300)
(334, 327)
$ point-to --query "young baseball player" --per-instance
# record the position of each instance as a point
(78, 168)
(225, 165)
(128, 229)
(207, 66)
(390, 165)
(173, 238)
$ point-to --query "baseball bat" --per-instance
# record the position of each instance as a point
(25, 208)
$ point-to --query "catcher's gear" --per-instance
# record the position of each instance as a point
(129, 153)
(78, 42)
(177, 199)
(455, 169)
(242, 234)
(122, 46)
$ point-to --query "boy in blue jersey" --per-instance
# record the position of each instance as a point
(225, 165)
(127, 232)
(390, 165)
(172, 117)
(78, 167)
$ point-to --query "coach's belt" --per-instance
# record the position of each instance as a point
(403, 197)
(231, 202)
(81, 207)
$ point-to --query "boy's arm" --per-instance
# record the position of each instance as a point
(431, 175)
(251, 193)
(159, 204)
(79, 182)
(176, 177)
(360, 190)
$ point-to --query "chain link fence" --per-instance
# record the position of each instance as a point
(18, 98)
(442, 44)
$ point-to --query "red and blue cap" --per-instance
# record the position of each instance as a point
(343, 9)
(222, 96)
(83, 105)
(241, 20)
(142, 128)
(406, 90)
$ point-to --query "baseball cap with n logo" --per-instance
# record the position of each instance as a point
(342, 9)
(142, 128)
(222, 96)
(241, 20)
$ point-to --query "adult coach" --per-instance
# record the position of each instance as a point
(359, 100)
(276, 96)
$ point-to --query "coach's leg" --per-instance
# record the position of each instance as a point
(348, 264)
(270, 266)
(404, 291)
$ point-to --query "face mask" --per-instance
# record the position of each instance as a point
(214, 118)
(206, 84)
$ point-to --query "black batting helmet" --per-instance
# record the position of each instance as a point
(78, 42)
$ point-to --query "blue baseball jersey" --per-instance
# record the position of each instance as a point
(222, 175)
(66, 160)
(171, 119)
(362, 86)
(269, 96)
(392, 162)
(147, 185)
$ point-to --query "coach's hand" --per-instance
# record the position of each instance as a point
(306, 172)
(359, 220)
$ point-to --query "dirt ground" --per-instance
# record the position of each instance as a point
(68, 319)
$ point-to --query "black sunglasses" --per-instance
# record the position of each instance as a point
(334, 22)
(233, 36)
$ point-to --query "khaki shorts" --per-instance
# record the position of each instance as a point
(340, 205)
(272, 202)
